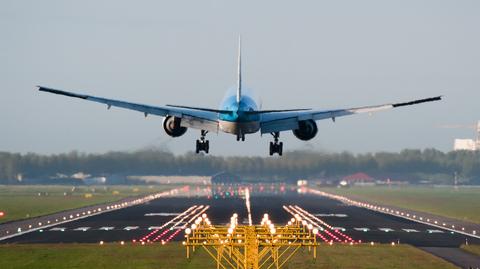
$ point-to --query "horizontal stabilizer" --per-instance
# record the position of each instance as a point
(203, 109)
(276, 111)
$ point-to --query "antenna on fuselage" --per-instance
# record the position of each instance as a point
(239, 78)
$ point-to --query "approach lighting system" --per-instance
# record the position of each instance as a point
(250, 246)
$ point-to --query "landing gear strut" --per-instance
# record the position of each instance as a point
(275, 146)
(240, 137)
(202, 144)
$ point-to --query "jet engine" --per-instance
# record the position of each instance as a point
(172, 126)
(307, 129)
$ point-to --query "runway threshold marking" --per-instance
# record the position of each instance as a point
(100, 210)
(186, 224)
(435, 231)
(397, 213)
(58, 229)
(175, 224)
(184, 213)
(154, 228)
(324, 227)
(83, 229)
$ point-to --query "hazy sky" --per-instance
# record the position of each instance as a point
(314, 54)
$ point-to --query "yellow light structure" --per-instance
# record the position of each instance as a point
(250, 247)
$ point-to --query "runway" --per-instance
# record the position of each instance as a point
(162, 220)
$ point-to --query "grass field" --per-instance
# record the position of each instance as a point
(475, 249)
(172, 256)
(19, 202)
(462, 204)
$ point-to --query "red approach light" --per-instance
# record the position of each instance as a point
(2, 214)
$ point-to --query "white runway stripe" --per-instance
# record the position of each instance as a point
(83, 229)
(435, 231)
(362, 229)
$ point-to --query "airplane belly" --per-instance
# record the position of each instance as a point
(233, 127)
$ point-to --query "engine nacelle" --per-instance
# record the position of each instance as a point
(172, 126)
(307, 129)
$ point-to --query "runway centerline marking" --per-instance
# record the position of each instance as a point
(161, 214)
(247, 203)
(387, 230)
(106, 228)
(331, 215)
(129, 228)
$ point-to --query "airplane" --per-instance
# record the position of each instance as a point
(239, 114)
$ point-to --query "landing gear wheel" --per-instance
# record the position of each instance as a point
(276, 147)
(202, 144)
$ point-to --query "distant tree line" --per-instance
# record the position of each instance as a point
(413, 165)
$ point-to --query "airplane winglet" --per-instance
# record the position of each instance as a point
(239, 78)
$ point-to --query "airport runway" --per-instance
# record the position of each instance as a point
(162, 220)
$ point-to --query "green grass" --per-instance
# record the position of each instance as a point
(172, 256)
(462, 204)
(20, 202)
(475, 249)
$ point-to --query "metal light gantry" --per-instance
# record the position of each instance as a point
(250, 247)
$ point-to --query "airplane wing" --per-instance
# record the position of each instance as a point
(197, 118)
(284, 121)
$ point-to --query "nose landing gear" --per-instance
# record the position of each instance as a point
(202, 143)
(276, 147)
(240, 137)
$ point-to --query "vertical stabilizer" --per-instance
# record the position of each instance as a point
(239, 78)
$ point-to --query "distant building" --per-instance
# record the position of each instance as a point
(465, 144)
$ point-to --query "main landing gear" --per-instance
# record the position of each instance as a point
(202, 144)
(275, 146)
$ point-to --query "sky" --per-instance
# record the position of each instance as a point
(312, 54)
